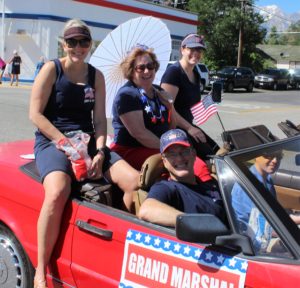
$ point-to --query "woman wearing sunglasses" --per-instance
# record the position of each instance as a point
(183, 82)
(140, 116)
(67, 95)
(140, 112)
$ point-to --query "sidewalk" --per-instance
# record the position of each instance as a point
(23, 85)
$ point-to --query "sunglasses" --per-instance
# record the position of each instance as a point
(83, 43)
(142, 67)
(173, 155)
(278, 156)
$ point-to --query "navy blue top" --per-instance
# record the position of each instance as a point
(70, 105)
(130, 98)
(199, 198)
(188, 94)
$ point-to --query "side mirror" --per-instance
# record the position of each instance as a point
(208, 229)
(201, 228)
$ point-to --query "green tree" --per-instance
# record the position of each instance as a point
(220, 24)
(292, 38)
(274, 38)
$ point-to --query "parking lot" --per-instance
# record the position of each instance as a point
(238, 109)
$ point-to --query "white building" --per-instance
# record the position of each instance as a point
(32, 27)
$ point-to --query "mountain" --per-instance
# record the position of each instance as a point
(276, 17)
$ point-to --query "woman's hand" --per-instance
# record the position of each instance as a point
(96, 167)
(197, 134)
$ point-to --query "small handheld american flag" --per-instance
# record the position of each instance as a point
(204, 109)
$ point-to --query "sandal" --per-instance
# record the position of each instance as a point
(40, 283)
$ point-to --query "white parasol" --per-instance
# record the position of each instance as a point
(108, 56)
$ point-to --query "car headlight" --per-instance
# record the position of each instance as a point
(270, 79)
(256, 78)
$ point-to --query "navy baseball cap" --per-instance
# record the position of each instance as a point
(193, 41)
(172, 137)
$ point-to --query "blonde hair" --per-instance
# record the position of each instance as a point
(75, 23)
(127, 65)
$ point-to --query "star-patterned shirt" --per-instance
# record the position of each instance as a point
(130, 98)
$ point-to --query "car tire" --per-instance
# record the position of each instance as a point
(275, 86)
(297, 86)
(16, 269)
(250, 87)
(230, 87)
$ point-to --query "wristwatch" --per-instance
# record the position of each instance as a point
(101, 151)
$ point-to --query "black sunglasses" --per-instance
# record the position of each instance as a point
(142, 67)
(83, 43)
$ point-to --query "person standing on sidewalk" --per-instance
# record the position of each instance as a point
(2, 68)
(15, 62)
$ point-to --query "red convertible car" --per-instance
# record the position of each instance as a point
(102, 246)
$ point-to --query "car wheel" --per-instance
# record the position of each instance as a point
(230, 87)
(15, 267)
(275, 86)
(297, 85)
(250, 87)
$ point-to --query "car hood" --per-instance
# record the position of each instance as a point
(266, 75)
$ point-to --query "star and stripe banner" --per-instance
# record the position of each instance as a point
(203, 110)
(153, 261)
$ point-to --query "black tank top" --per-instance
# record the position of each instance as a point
(70, 105)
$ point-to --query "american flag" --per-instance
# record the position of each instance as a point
(203, 110)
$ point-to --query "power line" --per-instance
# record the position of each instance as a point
(272, 14)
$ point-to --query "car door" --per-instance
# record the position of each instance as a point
(275, 256)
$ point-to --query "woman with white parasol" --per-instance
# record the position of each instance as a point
(140, 113)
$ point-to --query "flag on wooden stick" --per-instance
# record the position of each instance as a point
(203, 110)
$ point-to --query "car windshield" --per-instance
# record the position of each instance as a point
(270, 72)
(227, 71)
(254, 183)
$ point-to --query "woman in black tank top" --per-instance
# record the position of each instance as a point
(67, 95)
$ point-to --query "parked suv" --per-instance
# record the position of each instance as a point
(295, 78)
(235, 77)
(204, 74)
(273, 78)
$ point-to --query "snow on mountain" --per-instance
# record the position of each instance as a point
(274, 16)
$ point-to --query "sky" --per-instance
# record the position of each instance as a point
(287, 6)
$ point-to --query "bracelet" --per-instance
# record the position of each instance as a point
(101, 151)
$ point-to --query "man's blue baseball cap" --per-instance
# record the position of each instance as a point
(172, 137)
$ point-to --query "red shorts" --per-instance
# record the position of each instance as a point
(136, 156)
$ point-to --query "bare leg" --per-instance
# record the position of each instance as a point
(11, 79)
(57, 187)
(126, 177)
(17, 79)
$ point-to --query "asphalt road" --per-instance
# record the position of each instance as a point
(237, 110)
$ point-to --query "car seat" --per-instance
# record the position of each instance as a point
(152, 171)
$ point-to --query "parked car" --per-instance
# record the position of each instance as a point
(100, 245)
(235, 77)
(204, 74)
(295, 78)
(272, 78)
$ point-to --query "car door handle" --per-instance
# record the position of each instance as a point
(106, 234)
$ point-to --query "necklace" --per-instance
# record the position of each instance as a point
(152, 106)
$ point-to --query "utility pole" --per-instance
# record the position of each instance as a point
(241, 34)
(3, 30)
